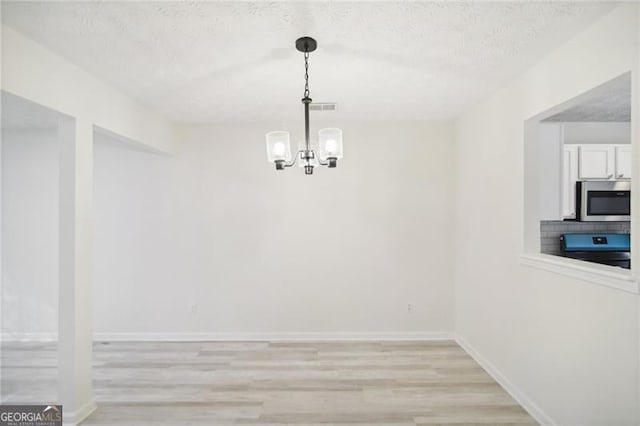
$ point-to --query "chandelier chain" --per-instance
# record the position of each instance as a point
(306, 74)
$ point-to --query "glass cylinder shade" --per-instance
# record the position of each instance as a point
(330, 141)
(278, 146)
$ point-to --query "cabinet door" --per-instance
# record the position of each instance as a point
(623, 162)
(569, 178)
(596, 161)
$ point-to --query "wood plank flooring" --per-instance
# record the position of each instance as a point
(273, 383)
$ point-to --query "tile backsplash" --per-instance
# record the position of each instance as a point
(550, 231)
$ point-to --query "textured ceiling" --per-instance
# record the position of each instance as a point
(613, 104)
(235, 61)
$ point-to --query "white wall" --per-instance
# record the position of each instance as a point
(581, 133)
(264, 252)
(569, 347)
(29, 233)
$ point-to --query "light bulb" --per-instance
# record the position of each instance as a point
(331, 147)
(278, 149)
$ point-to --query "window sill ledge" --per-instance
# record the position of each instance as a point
(607, 276)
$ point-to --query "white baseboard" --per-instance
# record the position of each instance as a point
(239, 336)
(527, 403)
(276, 336)
(75, 417)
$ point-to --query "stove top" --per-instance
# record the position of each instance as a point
(608, 249)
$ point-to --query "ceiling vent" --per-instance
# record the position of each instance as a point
(322, 106)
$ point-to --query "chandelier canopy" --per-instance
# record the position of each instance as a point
(329, 140)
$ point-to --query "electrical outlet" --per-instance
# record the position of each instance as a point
(409, 308)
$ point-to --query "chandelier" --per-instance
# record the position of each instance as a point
(329, 140)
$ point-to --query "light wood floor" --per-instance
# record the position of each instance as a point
(273, 383)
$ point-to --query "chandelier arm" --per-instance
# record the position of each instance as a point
(322, 163)
(293, 162)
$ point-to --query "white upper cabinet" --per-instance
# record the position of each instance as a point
(569, 178)
(596, 161)
(623, 162)
(591, 161)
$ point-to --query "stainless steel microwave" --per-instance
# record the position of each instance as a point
(603, 201)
